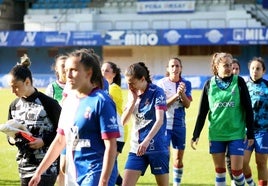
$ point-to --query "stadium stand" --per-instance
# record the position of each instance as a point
(122, 14)
(80, 15)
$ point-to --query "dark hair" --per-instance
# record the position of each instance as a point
(235, 61)
(56, 59)
(90, 60)
(177, 59)
(259, 59)
(117, 71)
(21, 70)
(137, 71)
(92, 52)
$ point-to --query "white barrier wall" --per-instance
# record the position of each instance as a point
(87, 19)
(55, 22)
(156, 58)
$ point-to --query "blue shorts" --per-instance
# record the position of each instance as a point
(158, 161)
(177, 137)
(260, 143)
(234, 147)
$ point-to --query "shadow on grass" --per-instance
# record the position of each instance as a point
(10, 182)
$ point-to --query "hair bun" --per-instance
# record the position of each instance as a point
(25, 60)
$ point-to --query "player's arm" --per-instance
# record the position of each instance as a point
(128, 110)
(108, 161)
(52, 154)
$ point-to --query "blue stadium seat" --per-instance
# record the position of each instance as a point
(67, 5)
(35, 6)
(82, 5)
(57, 4)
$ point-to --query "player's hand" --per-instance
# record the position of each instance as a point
(36, 144)
(142, 148)
(132, 95)
(194, 143)
(35, 180)
(250, 142)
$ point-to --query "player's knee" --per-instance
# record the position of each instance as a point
(237, 172)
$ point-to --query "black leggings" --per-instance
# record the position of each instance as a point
(45, 181)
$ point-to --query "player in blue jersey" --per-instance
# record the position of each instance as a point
(87, 127)
(147, 105)
(226, 103)
(178, 93)
(39, 114)
(258, 90)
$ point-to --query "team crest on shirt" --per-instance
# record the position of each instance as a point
(87, 112)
